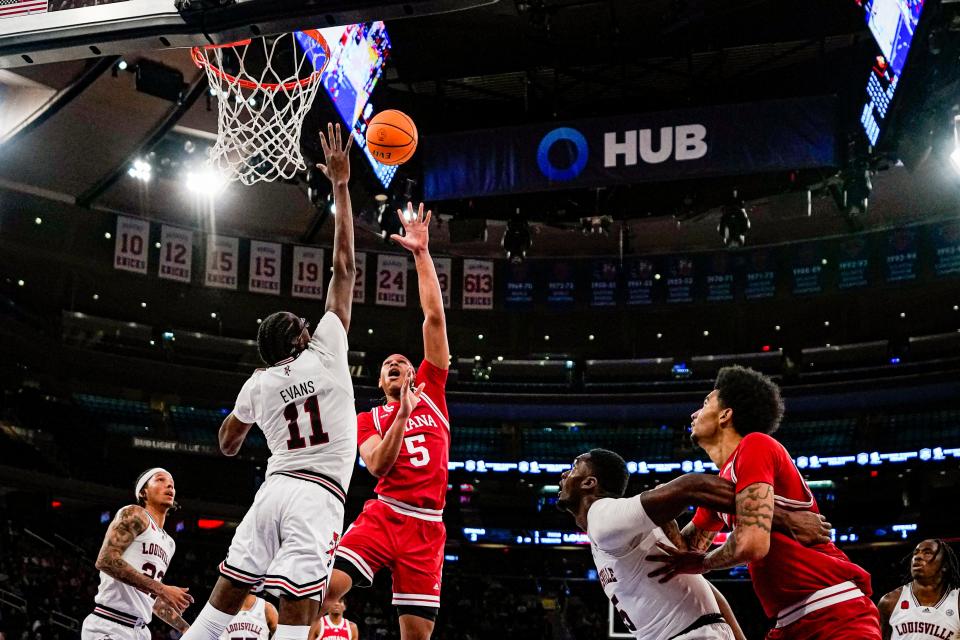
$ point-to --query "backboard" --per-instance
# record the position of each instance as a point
(72, 29)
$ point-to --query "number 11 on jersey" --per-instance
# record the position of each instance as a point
(292, 415)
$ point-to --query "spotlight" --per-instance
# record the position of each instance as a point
(734, 223)
(141, 170)
(955, 154)
(122, 65)
(205, 181)
(516, 241)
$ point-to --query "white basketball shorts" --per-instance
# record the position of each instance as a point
(97, 628)
(287, 541)
(719, 631)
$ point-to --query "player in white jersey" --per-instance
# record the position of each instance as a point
(303, 403)
(334, 626)
(623, 531)
(256, 620)
(927, 607)
(135, 556)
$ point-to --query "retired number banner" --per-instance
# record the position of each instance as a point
(307, 273)
(477, 284)
(392, 280)
(176, 253)
(444, 268)
(265, 267)
(222, 254)
(360, 284)
(130, 250)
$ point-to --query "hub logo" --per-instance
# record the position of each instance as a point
(683, 142)
(571, 171)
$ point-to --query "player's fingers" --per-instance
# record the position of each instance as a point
(410, 212)
(330, 134)
(398, 239)
(426, 220)
(403, 218)
(420, 213)
(339, 137)
(322, 167)
(324, 145)
(667, 578)
(666, 548)
(420, 388)
(657, 572)
(346, 150)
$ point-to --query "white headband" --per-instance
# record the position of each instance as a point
(145, 478)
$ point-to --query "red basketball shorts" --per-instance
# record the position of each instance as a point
(856, 619)
(410, 547)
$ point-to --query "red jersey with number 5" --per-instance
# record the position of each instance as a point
(419, 476)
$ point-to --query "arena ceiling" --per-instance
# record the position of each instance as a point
(507, 63)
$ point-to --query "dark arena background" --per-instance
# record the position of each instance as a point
(627, 196)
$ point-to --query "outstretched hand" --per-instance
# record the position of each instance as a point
(337, 156)
(416, 229)
(676, 562)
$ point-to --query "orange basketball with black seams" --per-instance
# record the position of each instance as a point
(391, 137)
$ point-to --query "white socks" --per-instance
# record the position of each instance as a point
(291, 632)
(209, 624)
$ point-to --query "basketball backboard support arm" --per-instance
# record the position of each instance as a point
(132, 25)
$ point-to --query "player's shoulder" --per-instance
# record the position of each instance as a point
(133, 514)
(890, 598)
(761, 441)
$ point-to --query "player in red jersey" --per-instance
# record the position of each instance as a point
(406, 443)
(334, 626)
(813, 593)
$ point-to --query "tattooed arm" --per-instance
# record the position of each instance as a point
(697, 539)
(169, 614)
(750, 538)
(130, 522)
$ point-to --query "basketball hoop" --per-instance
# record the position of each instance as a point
(264, 87)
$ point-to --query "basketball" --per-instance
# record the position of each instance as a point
(392, 137)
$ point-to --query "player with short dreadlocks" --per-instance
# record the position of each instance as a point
(929, 605)
(303, 403)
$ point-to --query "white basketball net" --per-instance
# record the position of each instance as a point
(261, 109)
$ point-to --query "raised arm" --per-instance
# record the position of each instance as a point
(337, 170)
(416, 240)
(130, 522)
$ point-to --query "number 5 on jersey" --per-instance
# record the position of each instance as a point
(291, 414)
(419, 456)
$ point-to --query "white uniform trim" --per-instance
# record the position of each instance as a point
(818, 600)
(436, 409)
(432, 515)
(356, 561)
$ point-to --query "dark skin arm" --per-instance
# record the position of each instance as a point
(232, 434)
(749, 541)
(668, 501)
(337, 170)
(885, 606)
(416, 240)
(130, 522)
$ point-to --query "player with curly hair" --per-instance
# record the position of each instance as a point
(813, 593)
